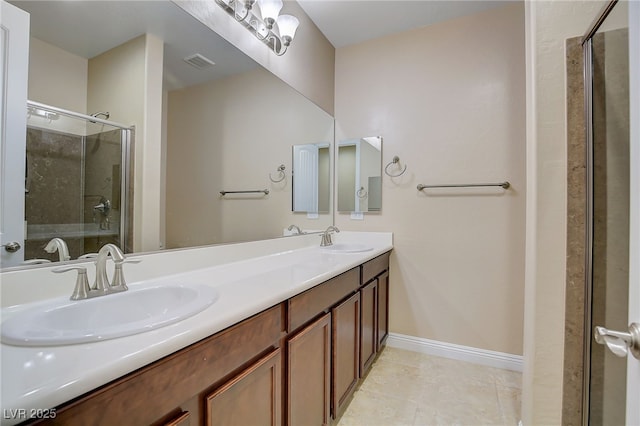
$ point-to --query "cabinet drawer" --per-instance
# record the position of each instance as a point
(320, 298)
(375, 267)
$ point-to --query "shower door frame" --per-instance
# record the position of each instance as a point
(125, 170)
(634, 237)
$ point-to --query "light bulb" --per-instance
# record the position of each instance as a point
(287, 25)
(270, 10)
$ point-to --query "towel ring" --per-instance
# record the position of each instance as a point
(395, 160)
(281, 174)
(361, 193)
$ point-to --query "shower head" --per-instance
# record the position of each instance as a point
(97, 114)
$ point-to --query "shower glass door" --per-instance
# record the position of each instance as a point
(610, 203)
(76, 172)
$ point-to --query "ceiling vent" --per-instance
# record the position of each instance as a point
(199, 61)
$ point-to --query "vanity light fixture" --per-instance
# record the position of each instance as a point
(265, 22)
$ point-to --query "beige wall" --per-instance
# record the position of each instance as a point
(308, 64)
(549, 24)
(449, 100)
(57, 78)
(126, 81)
(217, 140)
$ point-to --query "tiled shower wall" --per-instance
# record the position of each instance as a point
(66, 176)
(54, 188)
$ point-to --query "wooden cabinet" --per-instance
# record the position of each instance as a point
(308, 372)
(157, 393)
(369, 325)
(345, 321)
(254, 397)
(297, 363)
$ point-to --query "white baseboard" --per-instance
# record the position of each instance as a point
(458, 352)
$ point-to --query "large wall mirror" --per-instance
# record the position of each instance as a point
(227, 123)
(359, 174)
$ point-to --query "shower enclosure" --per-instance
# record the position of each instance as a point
(76, 182)
(611, 366)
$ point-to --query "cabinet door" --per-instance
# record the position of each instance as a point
(346, 349)
(368, 326)
(308, 372)
(383, 309)
(253, 397)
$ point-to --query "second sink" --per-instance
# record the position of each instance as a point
(347, 248)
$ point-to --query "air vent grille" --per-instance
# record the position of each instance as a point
(199, 61)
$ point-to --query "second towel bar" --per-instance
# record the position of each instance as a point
(264, 191)
(504, 185)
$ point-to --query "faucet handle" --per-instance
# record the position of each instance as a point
(81, 289)
(119, 282)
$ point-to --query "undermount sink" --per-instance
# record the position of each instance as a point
(347, 248)
(64, 322)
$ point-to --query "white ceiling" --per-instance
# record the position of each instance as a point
(346, 22)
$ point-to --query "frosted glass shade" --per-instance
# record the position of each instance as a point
(270, 10)
(287, 25)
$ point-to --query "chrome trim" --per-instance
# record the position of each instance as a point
(595, 25)
(588, 281)
(34, 104)
(125, 184)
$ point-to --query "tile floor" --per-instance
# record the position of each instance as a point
(410, 388)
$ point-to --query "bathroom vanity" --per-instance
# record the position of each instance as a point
(296, 361)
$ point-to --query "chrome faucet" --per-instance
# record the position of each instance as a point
(58, 244)
(298, 230)
(102, 281)
(326, 236)
(101, 286)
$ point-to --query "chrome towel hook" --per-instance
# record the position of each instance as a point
(362, 193)
(281, 174)
(395, 160)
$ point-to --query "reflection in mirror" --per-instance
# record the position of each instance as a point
(311, 179)
(75, 185)
(359, 175)
(229, 135)
(225, 126)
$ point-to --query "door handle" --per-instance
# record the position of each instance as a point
(11, 247)
(618, 342)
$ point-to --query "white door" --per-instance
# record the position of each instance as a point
(14, 70)
(305, 185)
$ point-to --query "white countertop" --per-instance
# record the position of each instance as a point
(44, 377)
